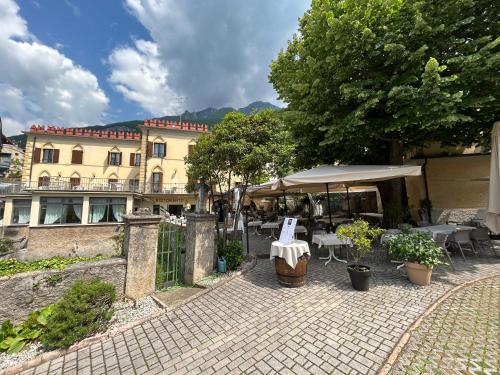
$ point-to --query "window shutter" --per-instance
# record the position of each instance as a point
(108, 160)
(132, 159)
(120, 161)
(40, 181)
(36, 155)
(76, 157)
(55, 158)
(165, 150)
(190, 149)
(160, 181)
(150, 149)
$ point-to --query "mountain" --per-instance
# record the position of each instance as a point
(209, 116)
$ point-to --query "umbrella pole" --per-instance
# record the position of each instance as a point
(329, 209)
(348, 202)
(284, 199)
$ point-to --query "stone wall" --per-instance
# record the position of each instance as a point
(16, 231)
(24, 292)
(71, 240)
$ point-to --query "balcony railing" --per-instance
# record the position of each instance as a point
(89, 184)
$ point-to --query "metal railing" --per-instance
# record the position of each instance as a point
(11, 186)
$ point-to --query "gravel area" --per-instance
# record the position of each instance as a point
(125, 312)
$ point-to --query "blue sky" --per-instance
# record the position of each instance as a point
(74, 63)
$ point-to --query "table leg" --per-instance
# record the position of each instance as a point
(329, 257)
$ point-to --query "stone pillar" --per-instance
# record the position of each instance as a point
(140, 246)
(200, 247)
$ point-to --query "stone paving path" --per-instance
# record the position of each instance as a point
(253, 325)
(461, 336)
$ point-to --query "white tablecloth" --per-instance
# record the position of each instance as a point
(270, 225)
(300, 229)
(329, 239)
(444, 228)
(291, 253)
(256, 223)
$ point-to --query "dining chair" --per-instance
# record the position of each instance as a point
(461, 239)
(440, 240)
(481, 238)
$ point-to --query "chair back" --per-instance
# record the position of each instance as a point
(440, 239)
(480, 234)
(461, 236)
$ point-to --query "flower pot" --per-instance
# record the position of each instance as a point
(360, 277)
(288, 276)
(418, 273)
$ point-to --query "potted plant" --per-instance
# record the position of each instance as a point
(361, 235)
(419, 252)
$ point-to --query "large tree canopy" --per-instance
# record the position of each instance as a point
(366, 80)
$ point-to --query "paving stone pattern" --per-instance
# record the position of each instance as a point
(461, 336)
(251, 324)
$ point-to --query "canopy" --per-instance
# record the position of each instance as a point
(346, 174)
(493, 216)
(266, 189)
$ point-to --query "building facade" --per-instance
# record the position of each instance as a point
(82, 178)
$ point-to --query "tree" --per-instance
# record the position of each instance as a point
(368, 80)
(249, 149)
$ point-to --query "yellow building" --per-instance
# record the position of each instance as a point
(82, 178)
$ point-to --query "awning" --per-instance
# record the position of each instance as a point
(346, 174)
(266, 189)
(492, 220)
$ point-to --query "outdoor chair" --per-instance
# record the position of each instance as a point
(440, 240)
(480, 238)
(461, 240)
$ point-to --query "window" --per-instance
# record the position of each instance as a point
(21, 211)
(60, 211)
(156, 209)
(74, 182)
(48, 155)
(135, 159)
(159, 150)
(43, 181)
(157, 182)
(115, 158)
(106, 210)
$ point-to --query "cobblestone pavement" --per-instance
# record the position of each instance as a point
(253, 325)
(460, 336)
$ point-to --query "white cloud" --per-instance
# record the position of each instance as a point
(40, 84)
(138, 73)
(218, 52)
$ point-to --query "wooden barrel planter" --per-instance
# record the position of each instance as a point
(288, 276)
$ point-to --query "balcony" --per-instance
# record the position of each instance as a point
(88, 184)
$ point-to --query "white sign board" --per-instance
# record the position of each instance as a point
(286, 236)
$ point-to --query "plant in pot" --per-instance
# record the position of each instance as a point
(418, 251)
(361, 235)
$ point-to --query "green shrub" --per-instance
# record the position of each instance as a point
(415, 247)
(6, 245)
(233, 252)
(12, 266)
(84, 310)
(14, 338)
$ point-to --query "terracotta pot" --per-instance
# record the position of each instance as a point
(418, 273)
(288, 276)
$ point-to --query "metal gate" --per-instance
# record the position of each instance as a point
(169, 258)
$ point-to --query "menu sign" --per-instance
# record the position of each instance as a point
(287, 232)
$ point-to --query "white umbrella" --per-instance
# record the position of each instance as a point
(492, 220)
(345, 174)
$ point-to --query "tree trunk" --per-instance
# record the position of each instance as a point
(393, 192)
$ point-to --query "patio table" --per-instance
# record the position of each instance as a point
(291, 253)
(255, 225)
(330, 240)
(271, 225)
(444, 228)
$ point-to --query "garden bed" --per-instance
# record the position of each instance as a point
(125, 313)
